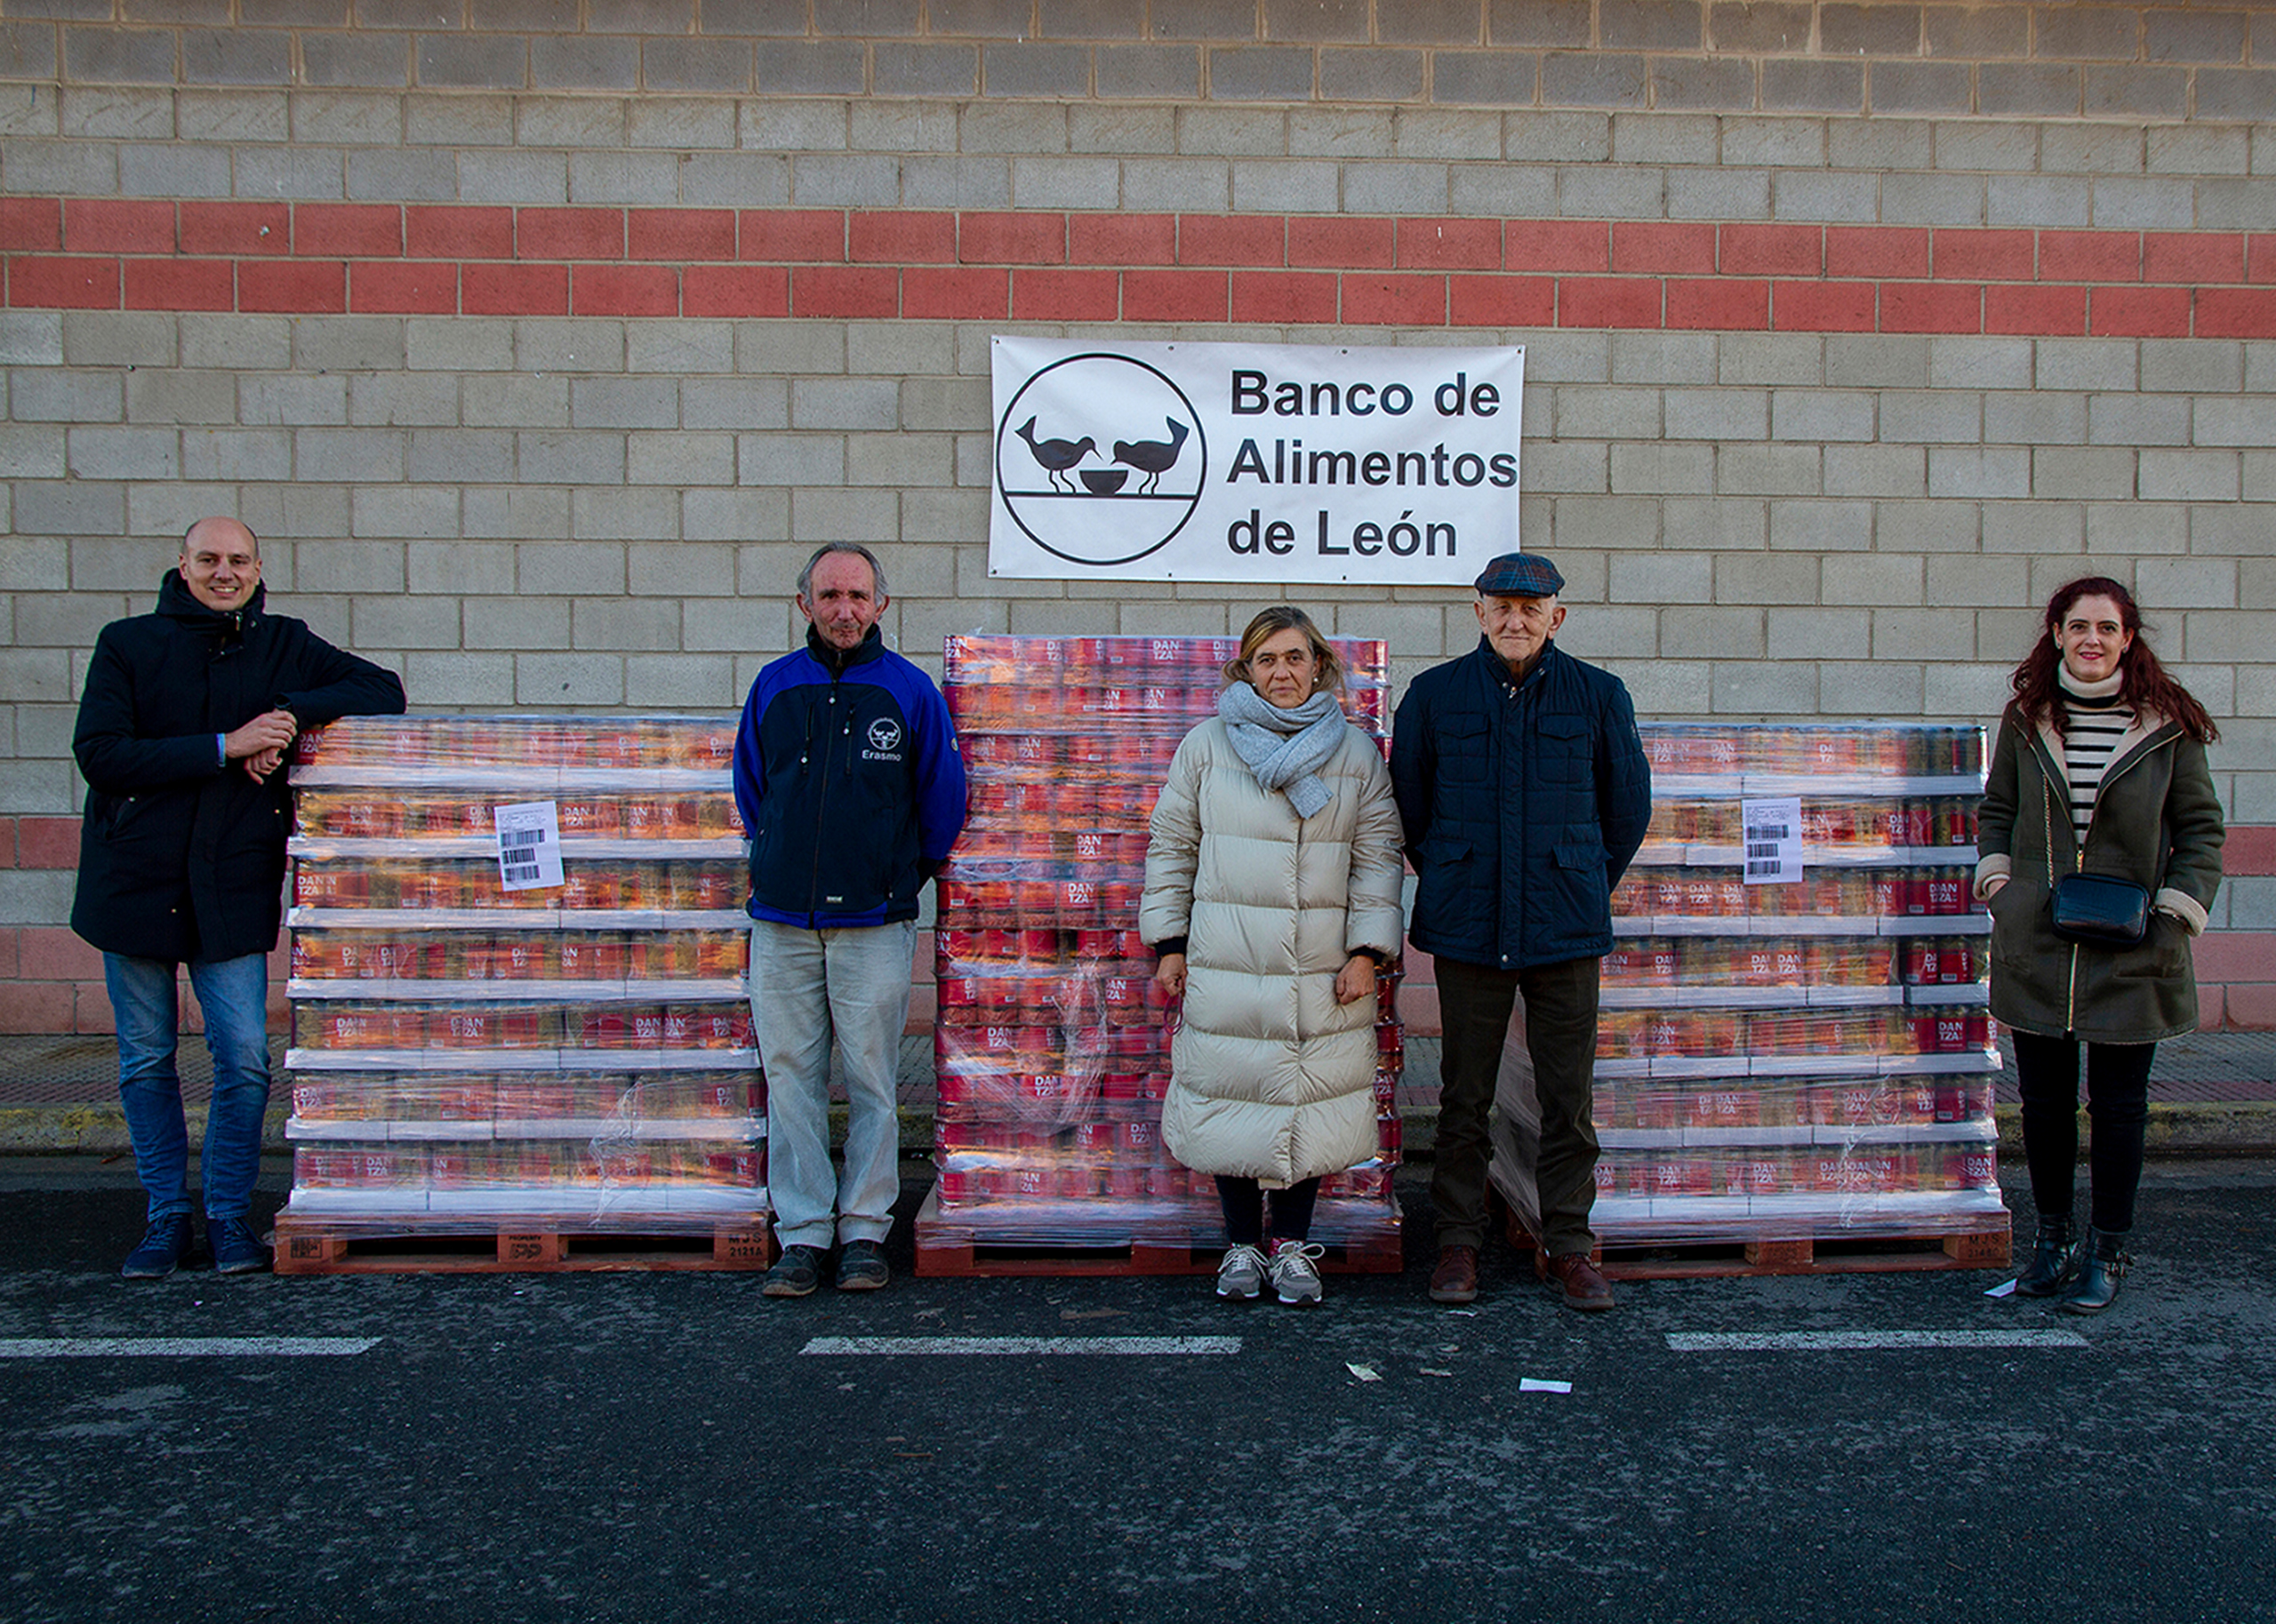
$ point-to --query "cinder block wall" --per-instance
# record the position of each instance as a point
(540, 340)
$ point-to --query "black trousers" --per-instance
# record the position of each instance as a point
(1474, 1006)
(2118, 1099)
(1243, 1201)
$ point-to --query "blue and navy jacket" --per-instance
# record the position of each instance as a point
(850, 785)
(1523, 803)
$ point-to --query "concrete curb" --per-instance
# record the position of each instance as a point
(2176, 1131)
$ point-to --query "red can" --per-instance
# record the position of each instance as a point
(589, 818)
(1948, 891)
(957, 998)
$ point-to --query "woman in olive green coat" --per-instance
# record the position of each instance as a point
(2100, 767)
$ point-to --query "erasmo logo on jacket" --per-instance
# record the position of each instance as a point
(885, 740)
(1100, 459)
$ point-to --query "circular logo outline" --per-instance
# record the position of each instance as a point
(1201, 442)
(885, 734)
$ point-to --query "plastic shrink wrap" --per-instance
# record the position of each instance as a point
(1810, 1058)
(1051, 1050)
(464, 1056)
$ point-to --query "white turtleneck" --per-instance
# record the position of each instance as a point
(2096, 720)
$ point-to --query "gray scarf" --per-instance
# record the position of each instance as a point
(1284, 749)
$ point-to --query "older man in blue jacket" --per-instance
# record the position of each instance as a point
(1525, 793)
(852, 789)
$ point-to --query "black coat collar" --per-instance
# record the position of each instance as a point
(176, 603)
(836, 661)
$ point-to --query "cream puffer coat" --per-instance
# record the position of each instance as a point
(1270, 1079)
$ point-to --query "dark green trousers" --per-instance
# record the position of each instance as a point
(1474, 1005)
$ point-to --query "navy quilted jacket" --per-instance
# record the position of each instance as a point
(1523, 803)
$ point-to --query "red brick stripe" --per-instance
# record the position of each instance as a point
(385, 259)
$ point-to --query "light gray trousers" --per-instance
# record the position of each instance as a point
(809, 988)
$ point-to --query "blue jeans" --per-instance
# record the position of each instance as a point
(234, 995)
(809, 990)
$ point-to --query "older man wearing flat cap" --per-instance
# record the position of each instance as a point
(1525, 792)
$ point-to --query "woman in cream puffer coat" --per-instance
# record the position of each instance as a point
(1271, 921)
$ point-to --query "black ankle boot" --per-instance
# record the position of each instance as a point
(2100, 1270)
(2053, 1261)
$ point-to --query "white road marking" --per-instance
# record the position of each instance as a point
(1023, 1345)
(1854, 1342)
(185, 1346)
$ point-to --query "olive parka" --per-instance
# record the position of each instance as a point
(1270, 1079)
(181, 855)
(2156, 821)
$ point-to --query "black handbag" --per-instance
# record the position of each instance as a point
(2094, 910)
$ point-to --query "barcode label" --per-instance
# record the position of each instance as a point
(529, 844)
(1770, 848)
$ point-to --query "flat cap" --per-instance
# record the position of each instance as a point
(1520, 575)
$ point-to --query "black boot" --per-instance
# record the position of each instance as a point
(2099, 1273)
(2053, 1261)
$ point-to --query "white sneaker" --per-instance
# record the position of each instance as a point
(1294, 1275)
(1241, 1275)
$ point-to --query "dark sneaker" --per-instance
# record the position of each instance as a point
(236, 1249)
(165, 1248)
(796, 1273)
(861, 1266)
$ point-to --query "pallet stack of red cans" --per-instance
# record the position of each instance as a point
(1808, 1058)
(1051, 1048)
(467, 1058)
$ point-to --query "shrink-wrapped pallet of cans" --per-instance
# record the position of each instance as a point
(1800, 1052)
(475, 1046)
(1051, 1049)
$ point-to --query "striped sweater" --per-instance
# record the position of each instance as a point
(2096, 720)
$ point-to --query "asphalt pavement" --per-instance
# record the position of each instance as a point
(664, 1447)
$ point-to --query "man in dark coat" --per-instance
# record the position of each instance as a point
(1525, 792)
(183, 727)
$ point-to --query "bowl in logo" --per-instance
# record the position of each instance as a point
(1105, 482)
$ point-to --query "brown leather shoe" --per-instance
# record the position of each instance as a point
(1456, 1279)
(1583, 1284)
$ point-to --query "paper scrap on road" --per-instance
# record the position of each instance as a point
(1427, 1371)
(2005, 1288)
(1365, 1372)
(1535, 1384)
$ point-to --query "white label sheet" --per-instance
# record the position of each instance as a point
(1772, 833)
(529, 846)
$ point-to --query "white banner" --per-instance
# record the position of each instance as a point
(1253, 462)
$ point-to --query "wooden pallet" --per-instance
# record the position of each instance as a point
(1984, 1245)
(950, 1249)
(306, 1248)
